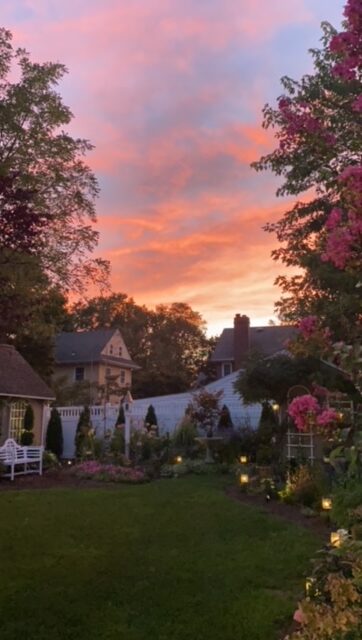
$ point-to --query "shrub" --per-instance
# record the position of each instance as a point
(332, 609)
(346, 499)
(27, 436)
(84, 436)
(54, 436)
(50, 460)
(151, 418)
(121, 418)
(225, 421)
(304, 486)
(184, 436)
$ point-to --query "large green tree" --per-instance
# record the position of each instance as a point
(44, 159)
(318, 125)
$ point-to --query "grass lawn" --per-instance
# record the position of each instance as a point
(171, 560)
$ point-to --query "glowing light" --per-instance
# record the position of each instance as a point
(338, 537)
(275, 406)
(326, 504)
(243, 459)
(179, 459)
(244, 478)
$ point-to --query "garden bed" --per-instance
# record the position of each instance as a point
(290, 513)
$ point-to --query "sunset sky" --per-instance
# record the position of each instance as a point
(170, 92)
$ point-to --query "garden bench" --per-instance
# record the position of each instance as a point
(13, 455)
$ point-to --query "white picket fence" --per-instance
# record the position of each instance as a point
(169, 411)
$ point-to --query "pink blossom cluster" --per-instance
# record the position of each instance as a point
(95, 470)
(343, 244)
(307, 326)
(299, 121)
(301, 409)
(306, 412)
(347, 45)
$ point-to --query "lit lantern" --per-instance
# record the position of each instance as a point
(243, 459)
(244, 478)
(335, 539)
(338, 537)
(326, 504)
(309, 586)
(179, 459)
(275, 406)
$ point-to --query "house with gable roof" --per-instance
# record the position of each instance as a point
(237, 343)
(20, 386)
(99, 357)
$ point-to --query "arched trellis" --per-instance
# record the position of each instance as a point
(299, 443)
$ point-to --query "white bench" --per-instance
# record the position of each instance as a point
(13, 455)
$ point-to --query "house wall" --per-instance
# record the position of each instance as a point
(91, 372)
(116, 347)
(37, 406)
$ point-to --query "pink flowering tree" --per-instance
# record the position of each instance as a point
(318, 128)
(309, 415)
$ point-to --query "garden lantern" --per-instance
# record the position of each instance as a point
(179, 459)
(244, 478)
(326, 504)
(243, 459)
(338, 537)
(275, 407)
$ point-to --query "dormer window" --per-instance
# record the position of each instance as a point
(111, 349)
(119, 351)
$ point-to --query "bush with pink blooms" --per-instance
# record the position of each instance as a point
(94, 470)
(308, 415)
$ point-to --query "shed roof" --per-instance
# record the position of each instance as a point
(18, 378)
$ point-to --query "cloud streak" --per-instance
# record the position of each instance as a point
(171, 95)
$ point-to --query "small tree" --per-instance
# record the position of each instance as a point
(121, 418)
(151, 418)
(84, 434)
(225, 421)
(54, 437)
(266, 435)
(27, 435)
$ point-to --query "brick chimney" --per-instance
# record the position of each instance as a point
(241, 339)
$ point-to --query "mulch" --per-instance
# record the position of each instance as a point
(52, 479)
(286, 512)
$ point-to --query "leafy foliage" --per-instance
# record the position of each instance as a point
(54, 436)
(318, 126)
(27, 436)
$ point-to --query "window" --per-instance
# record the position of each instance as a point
(108, 372)
(79, 374)
(119, 351)
(16, 422)
(122, 376)
(226, 368)
(111, 349)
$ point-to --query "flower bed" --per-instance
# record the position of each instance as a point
(93, 470)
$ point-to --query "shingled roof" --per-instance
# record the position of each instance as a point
(82, 347)
(18, 378)
(266, 340)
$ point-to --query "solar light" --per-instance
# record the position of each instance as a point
(275, 406)
(179, 459)
(338, 537)
(244, 478)
(243, 459)
(326, 504)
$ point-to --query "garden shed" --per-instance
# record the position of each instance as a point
(21, 386)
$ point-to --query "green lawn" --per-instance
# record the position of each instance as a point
(171, 560)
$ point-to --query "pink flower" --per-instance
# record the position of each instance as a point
(299, 616)
(302, 409)
(357, 104)
(328, 417)
(308, 326)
